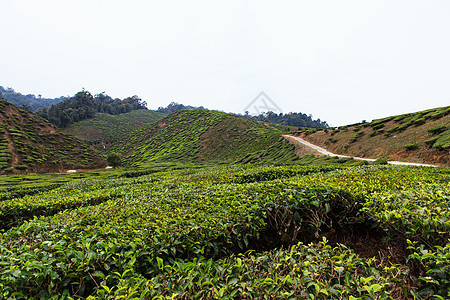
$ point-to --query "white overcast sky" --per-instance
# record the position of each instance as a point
(341, 61)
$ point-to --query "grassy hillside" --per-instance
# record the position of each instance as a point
(422, 137)
(28, 143)
(108, 129)
(203, 135)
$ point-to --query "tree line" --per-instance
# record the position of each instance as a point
(289, 119)
(84, 106)
(174, 106)
(29, 101)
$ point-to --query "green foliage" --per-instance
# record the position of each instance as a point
(436, 262)
(335, 131)
(380, 161)
(411, 146)
(281, 274)
(21, 167)
(419, 121)
(437, 129)
(29, 101)
(110, 129)
(114, 159)
(84, 106)
(329, 161)
(356, 137)
(416, 119)
(5, 153)
(225, 231)
(307, 130)
(430, 142)
(443, 142)
(333, 140)
(38, 145)
(290, 119)
(201, 136)
(174, 107)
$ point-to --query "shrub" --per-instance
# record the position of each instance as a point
(420, 121)
(356, 136)
(114, 160)
(380, 161)
(411, 146)
(378, 126)
(333, 140)
(437, 129)
(431, 141)
(443, 141)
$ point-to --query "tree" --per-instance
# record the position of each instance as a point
(114, 160)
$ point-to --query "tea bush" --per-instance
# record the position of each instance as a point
(226, 231)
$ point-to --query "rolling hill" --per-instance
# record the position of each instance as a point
(421, 137)
(106, 129)
(199, 135)
(28, 143)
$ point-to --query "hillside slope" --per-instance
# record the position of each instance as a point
(106, 129)
(203, 135)
(422, 137)
(28, 143)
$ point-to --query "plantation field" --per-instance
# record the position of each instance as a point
(227, 232)
(30, 144)
(420, 137)
(109, 129)
(202, 136)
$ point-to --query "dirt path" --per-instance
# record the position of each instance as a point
(12, 148)
(328, 153)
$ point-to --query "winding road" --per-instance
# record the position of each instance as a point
(328, 153)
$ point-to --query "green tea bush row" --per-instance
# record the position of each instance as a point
(175, 234)
(19, 192)
(170, 222)
(314, 271)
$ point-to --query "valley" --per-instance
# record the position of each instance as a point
(202, 204)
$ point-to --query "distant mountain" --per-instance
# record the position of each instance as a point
(196, 135)
(105, 129)
(83, 106)
(29, 143)
(29, 101)
(422, 137)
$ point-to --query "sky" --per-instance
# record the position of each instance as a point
(340, 61)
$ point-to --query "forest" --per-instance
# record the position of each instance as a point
(84, 106)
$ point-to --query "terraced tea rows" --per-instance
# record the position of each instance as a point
(232, 232)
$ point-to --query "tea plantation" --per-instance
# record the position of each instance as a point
(227, 232)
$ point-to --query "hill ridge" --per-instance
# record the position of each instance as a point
(106, 130)
(203, 135)
(421, 137)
